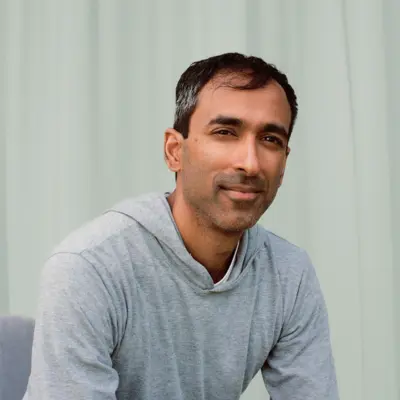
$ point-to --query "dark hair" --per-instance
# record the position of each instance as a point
(201, 72)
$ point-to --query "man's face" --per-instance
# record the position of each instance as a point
(233, 161)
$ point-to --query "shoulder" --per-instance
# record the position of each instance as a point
(277, 243)
(94, 233)
(298, 281)
(280, 249)
(89, 264)
(287, 259)
(111, 226)
(101, 245)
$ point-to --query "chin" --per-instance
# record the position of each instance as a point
(236, 225)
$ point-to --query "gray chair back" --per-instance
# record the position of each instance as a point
(16, 336)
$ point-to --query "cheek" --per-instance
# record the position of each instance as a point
(274, 168)
(203, 158)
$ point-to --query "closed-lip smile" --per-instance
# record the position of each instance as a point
(241, 192)
(241, 188)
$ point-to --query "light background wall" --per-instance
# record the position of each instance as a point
(87, 89)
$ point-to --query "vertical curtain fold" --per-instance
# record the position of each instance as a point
(87, 89)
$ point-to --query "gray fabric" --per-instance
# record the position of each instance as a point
(15, 356)
(126, 313)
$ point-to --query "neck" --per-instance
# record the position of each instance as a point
(212, 248)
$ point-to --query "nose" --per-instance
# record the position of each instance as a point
(246, 157)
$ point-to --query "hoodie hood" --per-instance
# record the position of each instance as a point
(152, 211)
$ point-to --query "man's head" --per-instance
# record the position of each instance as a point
(229, 145)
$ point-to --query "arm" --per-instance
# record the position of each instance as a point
(301, 365)
(74, 334)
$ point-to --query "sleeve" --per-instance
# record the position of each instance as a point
(74, 334)
(301, 365)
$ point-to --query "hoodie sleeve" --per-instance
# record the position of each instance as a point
(301, 365)
(74, 334)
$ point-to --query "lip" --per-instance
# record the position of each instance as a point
(243, 193)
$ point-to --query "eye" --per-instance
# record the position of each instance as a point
(224, 132)
(274, 139)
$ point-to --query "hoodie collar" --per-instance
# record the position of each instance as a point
(153, 213)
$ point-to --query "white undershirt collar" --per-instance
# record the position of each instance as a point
(228, 273)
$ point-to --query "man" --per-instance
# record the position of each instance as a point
(183, 295)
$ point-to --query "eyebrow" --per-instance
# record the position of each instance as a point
(237, 122)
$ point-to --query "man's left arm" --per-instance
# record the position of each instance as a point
(301, 365)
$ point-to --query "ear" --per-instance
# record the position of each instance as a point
(284, 166)
(173, 149)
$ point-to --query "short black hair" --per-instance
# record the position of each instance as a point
(199, 73)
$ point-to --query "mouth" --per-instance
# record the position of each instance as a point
(241, 193)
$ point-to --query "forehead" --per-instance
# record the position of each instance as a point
(268, 104)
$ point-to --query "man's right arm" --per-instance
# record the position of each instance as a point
(74, 334)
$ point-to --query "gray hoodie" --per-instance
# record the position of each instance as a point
(125, 312)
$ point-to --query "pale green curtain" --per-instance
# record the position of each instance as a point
(87, 89)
